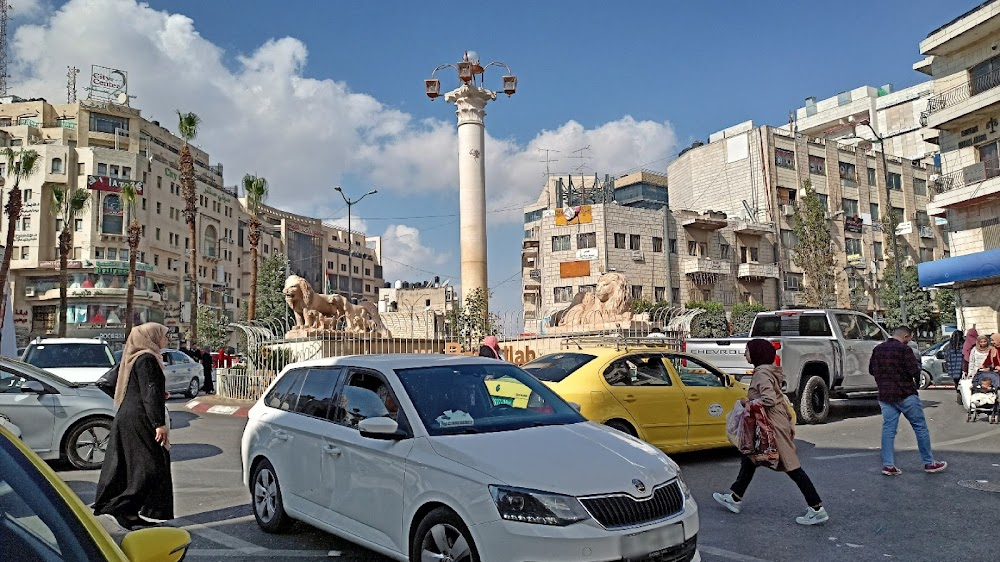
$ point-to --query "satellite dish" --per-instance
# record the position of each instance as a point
(122, 98)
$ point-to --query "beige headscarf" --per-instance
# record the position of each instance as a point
(143, 339)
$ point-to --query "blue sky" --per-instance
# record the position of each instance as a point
(342, 84)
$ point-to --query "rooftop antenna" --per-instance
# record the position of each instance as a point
(582, 157)
(4, 8)
(547, 159)
(71, 72)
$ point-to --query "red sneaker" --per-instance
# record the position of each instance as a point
(892, 471)
(936, 466)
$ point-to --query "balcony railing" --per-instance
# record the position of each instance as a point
(757, 271)
(958, 94)
(691, 265)
(969, 175)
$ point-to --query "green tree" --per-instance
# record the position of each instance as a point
(130, 195)
(472, 322)
(67, 202)
(256, 190)
(270, 284)
(946, 304)
(21, 165)
(919, 304)
(814, 251)
(213, 330)
(743, 314)
(709, 324)
(187, 126)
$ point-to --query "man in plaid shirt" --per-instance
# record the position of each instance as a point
(896, 372)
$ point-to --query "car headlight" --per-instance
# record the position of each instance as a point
(684, 487)
(532, 506)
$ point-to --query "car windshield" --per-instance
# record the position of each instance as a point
(482, 398)
(936, 347)
(557, 366)
(14, 365)
(63, 355)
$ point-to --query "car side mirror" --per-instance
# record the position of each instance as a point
(575, 406)
(383, 428)
(939, 355)
(167, 544)
(33, 387)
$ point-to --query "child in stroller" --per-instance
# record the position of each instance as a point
(983, 395)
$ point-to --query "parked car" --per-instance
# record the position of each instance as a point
(9, 425)
(822, 353)
(57, 418)
(675, 401)
(42, 519)
(413, 457)
(77, 360)
(182, 373)
(933, 370)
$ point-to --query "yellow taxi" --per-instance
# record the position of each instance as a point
(675, 401)
(42, 519)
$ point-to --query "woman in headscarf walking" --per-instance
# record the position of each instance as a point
(765, 387)
(970, 342)
(135, 487)
(491, 348)
(980, 357)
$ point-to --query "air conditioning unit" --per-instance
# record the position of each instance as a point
(637, 255)
(908, 261)
(29, 291)
(788, 210)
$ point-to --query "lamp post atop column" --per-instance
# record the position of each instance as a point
(350, 239)
(470, 99)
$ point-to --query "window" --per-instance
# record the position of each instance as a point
(634, 242)
(636, 292)
(112, 253)
(102, 123)
(724, 250)
(587, 288)
(926, 254)
(659, 294)
(824, 200)
(557, 366)
(922, 219)
(793, 281)
(637, 370)
(784, 158)
(850, 207)
(817, 165)
(871, 176)
(143, 203)
(343, 267)
(989, 155)
(788, 239)
(365, 396)
(26, 223)
(211, 241)
(562, 294)
(849, 326)
(102, 169)
(898, 215)
(853, 246)
(316, 394)
(620, 240)
(673, 245)
(78, 225)
(675, 294)
(123, 254)
(657, 244)
(285, 393)
(356, 272)
(586, 240)
(786, 196)
(368, 272)
(159, 208)
(873, 209)
(848, 171)
(895, 181)
(80, 169)
(27, 194)
(112, 216)
(877, 251)
(984, 75)
(57, 166)
(156, 259)
(695, 372)
(98, 253)
(561, 243)
(157, 233)
(114, 170)
(25, 252)
(919, 186)
(533, 216)
(126, 172)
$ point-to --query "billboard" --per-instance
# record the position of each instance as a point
(112, 185)
(108, 84)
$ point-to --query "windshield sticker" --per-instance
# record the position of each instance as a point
(715, 410)
(453, 418)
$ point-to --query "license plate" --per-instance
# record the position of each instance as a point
(648, 543)
(502, 401)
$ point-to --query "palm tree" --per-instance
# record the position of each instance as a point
(129, 196)
(187, 124)
(21, 165)
(67, 202)
(256, 192)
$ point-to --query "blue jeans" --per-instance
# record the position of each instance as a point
(914, 412)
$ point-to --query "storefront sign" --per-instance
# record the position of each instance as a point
(854, 224)
(27, 237)
(54, 264)
(102, 267)
(303, 229)
(32, 207)
(112, 185)
(589, 254)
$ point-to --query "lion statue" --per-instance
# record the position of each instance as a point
(609, 302)
(308, 305)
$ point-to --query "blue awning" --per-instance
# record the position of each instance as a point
(970, 267)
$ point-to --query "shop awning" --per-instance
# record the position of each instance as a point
(970, 267)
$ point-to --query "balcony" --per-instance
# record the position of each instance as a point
(748, 228)
(794, 298)
(967, 186)
(978, 93)
(695, 265)
(704, 223)
(925, 231)
(757, 271)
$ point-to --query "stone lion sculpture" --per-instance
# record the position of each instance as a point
(609, 302)
(308, 305)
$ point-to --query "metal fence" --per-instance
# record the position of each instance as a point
(265, 350)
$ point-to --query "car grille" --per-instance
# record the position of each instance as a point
(622, 510)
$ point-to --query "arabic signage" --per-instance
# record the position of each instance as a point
(854, 224)
(28, 237)
(855, 260)
(589, 254)
(112, 185)
(54, 264)
(303, 229)
(904, 228)
(104, 267)
(108, 84)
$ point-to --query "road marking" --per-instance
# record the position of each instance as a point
(263, 552)
(205, 531)
(721, 553)
(968, 439)
(846, 456)
(938, 445)
(224, 410)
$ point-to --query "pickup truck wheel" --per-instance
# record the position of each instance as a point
(814, 401)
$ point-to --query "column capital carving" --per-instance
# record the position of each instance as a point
(471, 103)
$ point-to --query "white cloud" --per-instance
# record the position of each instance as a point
(401, 245)
(358, 224)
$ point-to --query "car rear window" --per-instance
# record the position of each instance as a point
(773, 326)
(60, 355)
(557, 366)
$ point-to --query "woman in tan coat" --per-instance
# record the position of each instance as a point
(765, 387)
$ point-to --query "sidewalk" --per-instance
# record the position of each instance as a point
(212, 404)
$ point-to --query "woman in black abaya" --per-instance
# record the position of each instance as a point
(135, 487)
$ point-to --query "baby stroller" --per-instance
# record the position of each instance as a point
(979, 395)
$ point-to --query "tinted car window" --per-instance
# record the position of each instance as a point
(285, 393)
(695, 372)
(557, 366)
(849, 326)
(316, 393)
(11, 382)
(48, 356)
(180, 358)
(814, 325)
(637, 370)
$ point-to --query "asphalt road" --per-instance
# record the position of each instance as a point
(913, 517)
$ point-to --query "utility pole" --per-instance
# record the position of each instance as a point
(350, 240)
(4, 8)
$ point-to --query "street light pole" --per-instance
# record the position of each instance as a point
(350, 242)
(895, 242)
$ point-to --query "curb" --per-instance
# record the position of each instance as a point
(217, 409)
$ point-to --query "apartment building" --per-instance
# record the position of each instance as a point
(963, 118)
(755, 175)
(98, 146)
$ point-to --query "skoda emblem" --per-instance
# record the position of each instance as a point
(638, 485)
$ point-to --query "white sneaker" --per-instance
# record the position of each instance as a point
(813, 517)
(112, 526)
(728, 501)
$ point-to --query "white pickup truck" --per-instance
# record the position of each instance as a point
(821, 352)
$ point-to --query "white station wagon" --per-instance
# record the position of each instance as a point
(438, 457)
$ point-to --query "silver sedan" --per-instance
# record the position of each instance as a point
(58, 419)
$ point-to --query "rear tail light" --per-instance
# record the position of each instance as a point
(777, 356)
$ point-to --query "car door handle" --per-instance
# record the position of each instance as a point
(331, 450)
(283, 435)
(629, 398)
(693, 397)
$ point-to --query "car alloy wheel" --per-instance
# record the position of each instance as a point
(265, 495)
(446, 543)
(88, 444)
(193, 388)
